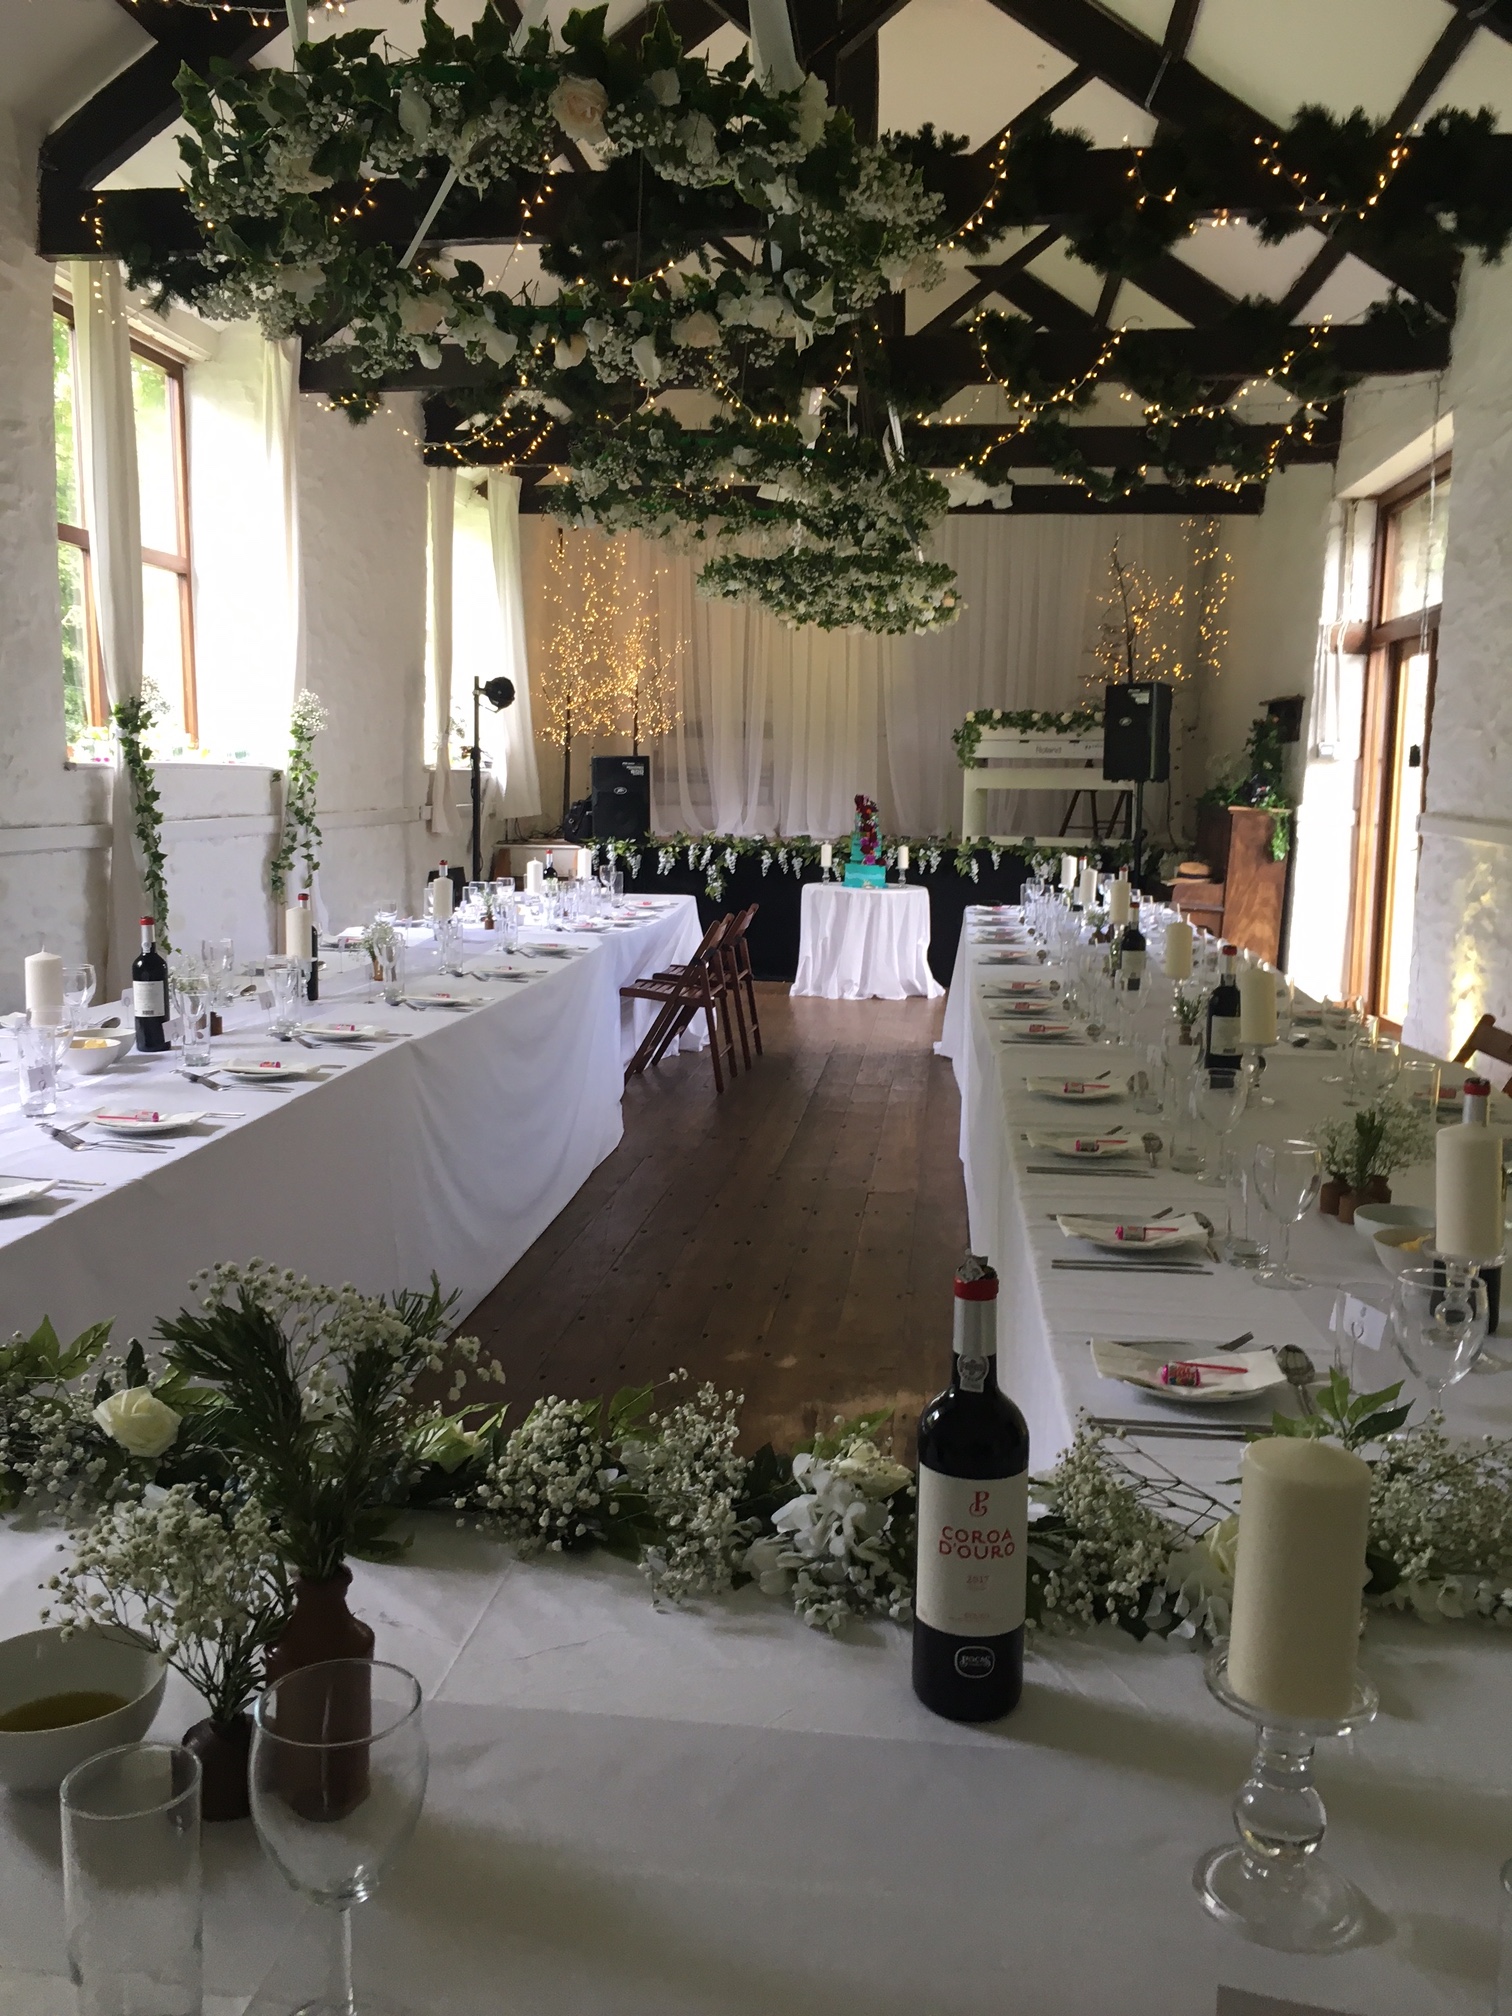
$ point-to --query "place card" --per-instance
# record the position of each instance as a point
(1359, 1320)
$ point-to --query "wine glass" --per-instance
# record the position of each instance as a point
(78, 992)
(1288, 1176)
(282, 975)
(1439, 1322)
(337, 1776)
(1220, 1097)
(1375, 1063)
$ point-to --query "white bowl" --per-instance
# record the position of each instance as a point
(1393, 1252)
(91, 1060)
(1372, 1218)
(39, 1663)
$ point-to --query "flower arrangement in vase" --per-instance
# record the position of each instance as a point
(866, 831)
(1362, 1150)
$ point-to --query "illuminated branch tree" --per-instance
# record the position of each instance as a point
(1174, 632)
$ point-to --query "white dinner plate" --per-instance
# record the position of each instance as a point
(339, 1032)
(1085, 1147)
(1079, 1090)
(1034, 1008)
(143, 1120)
(1164, 1235)
(1136, 1365)
(440, 997)
(1042, 1032)
(22, 1193)
(1009, 989)
(1009, 959)
(267, 1068)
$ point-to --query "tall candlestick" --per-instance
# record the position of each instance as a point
(826, 855)
(44, 989)
(903, 860)
(1467, 1193)
(1304, 1512)
(1257, 1005)
(1178, 950)
(298, 942)
(535, 877)
(584, 863)
(1119, 905)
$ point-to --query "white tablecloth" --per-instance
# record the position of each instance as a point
(451, 1146)
(864, 944)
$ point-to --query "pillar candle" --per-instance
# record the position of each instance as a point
(1178, 949)
(584, 863)
(442, 894)
(1257, 1005)
(44, 989)
(297, 928)
(1068, 871)
(902, 860)
(1089, 887)
(1304, 1511)
(535, 877)
(1118, 901)
(1467, 1198)
(826, 855)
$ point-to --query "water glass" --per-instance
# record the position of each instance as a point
(338, 1774)
(283, 976)
(131, 1881)
(1288, 1177)
(40, 1045)
(1242, 1245)
(1438, 1322)
(1418, 1085)
(78, 992)
(388, 956)
(192, 998)
(1374, 1064)
(1220, 1097)
(448, 941)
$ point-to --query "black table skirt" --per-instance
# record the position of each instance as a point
(774, 931)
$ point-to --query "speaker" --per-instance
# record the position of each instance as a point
(1137, 733)
(621, 797)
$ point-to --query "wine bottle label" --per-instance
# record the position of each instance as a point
(148, 998)
(973, 1553)
(1133, 964)
(1223, 1036)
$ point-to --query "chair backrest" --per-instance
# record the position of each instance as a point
(1486, 1040)
(711, 946)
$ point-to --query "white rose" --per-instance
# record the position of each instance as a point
(414, 112)
(499, 343)
(664, 87)
(139, 1421)
(578, 105)
(698, 331)
(1222, 1543)
(643, 356)
(699, 140)
(293, 172)
(423, 314)
(813, 111)
(570, 350)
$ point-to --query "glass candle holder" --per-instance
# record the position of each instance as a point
(1271, 1883)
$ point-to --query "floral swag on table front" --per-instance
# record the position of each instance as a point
(716, 856)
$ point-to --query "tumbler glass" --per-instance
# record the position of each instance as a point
(131, 1881)
(1418, 1085)
(39, 1046)
(283, 976)
(192, 998)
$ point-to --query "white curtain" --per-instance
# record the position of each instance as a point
(1338, 673)
(521, 780)
(107, 437)
(441, 504)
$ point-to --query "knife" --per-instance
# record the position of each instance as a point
(1129, 1267)
(1078, 1169)
(1176, 1431)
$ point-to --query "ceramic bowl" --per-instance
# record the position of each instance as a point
(1399, 1246)
(1372, 1218)
(89, 1059)
(39, 1663)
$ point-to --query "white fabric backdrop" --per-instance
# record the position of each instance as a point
(441, 504)
(522, 784)
(782, 727)
(107, 438)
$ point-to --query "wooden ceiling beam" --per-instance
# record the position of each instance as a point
(1493, 15)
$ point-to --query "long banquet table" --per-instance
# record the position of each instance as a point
(714, 1812)
(450, 1145)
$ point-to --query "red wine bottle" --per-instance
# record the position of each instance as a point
(1223, 1052)
(149, 992)
(1131, 951)
(968, 1634)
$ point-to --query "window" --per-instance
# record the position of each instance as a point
(157, 385)
(1411, 540)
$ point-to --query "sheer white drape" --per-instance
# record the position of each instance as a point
(107, 439)
(780, 728)
(441, 504)
(521, 780)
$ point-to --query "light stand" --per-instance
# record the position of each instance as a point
(499, 693)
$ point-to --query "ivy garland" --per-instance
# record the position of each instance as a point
(300, 835)
(133, 718)
(1026, 720)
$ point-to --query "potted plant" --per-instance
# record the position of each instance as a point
(200, 1581)
(310, 1393)
(1363, 1149)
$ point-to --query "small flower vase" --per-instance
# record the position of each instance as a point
(1376, 1191)
(223, 1749)
(320, 1627)
(1328, 1197)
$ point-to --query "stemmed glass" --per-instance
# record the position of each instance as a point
(78, 992)
(1439, 1322)
(1288, 1176)
(1375, 1062)
(1220, 1101)
(338, 1771)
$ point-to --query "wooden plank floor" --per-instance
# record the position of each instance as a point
(794, 1239)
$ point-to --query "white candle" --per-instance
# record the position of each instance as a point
(1088, 890)
(1118, 901)
(442, 894)
(535, 877)
(1304, 1511)
(298, 943)
(584, 863)
(1069, 871)
(902, 860)
(1178, 950)
(1467, 1193)
(826, 855)
(1257, 1005)
(44, 989)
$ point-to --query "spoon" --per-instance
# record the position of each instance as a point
(1300, 1372)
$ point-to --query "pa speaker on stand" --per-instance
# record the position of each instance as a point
(1137, 746)
(621, 797)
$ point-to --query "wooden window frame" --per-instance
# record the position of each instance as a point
(180, 564)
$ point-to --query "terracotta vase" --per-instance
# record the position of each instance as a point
(324, 1784)
(223, 1749)
(321, 1627)
(1376, 1191)
(1348, 1199)
(1328, 1197)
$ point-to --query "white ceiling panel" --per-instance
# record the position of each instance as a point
(1111, 119)
(963, 65)
(1134, 309)
(1059, 269)
(1232, 256)
(1282, 54)
(1482, 76)
(1346, 294)
(54, 54)
(1148, 16)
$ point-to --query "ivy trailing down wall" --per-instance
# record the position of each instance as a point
(299, 837)
(133, 718)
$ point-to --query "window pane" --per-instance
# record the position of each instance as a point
(1415, 554)
(163, 655)
(75, 642)
(69, 510)
(157, 472)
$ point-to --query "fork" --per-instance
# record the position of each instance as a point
(61, 1134)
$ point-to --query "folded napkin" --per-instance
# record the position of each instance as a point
(1139, 1364)
(1135, 1235)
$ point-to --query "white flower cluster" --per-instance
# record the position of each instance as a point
(552, 1484)
(1441, 1513)
(692, 1479)
(838, 1545)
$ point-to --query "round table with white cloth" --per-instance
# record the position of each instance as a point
(865, 944)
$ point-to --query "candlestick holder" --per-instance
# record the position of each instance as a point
(1271, 1884)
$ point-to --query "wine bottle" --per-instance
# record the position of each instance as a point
(968, 1634)
(1223, 1017)
(309, 935)
(1131, 951)
(149, 992)
(1476, 1112)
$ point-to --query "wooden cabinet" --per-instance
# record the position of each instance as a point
(1246, 894)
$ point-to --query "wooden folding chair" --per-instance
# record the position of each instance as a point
(724, 952)
(700, 984)
(1489, 1041)
(745, 980)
